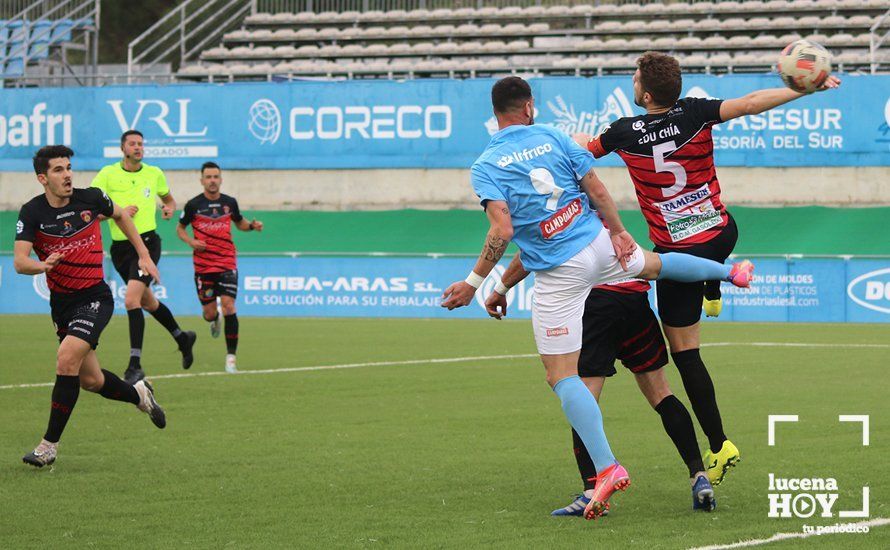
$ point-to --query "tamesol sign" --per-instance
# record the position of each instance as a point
(419, 124)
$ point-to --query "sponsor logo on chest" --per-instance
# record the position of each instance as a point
(562, 219)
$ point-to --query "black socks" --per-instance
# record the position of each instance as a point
(678, 426)
(700, 391)
(586, 467)
(137, 332)
(118, 390)
(231, 327)
(165, 317)
(712, 290)
(65, 393)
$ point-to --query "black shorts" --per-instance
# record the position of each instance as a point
(211, 285)
(126, 261)
(84, 315)
(679, 304)
(620, 325)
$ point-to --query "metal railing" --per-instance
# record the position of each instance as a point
(182, 33)
(876, 40)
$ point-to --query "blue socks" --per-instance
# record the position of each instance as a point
(584, 415)
(685, 268)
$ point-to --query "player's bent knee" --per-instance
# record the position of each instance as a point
(228, 310)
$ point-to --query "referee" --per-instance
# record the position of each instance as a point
(134, 185)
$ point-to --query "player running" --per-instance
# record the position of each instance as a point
(62, 227)
(216, 272)
(135, 184)
(531, 181)
(619, 324)
(669, 153)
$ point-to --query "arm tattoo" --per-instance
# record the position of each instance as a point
(494, 248)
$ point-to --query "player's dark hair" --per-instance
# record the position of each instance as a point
(660, 76)
(209, 164)
(129, 133)
(510, 93)
(45, 154)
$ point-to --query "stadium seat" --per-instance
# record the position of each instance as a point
(733, 23)
(262, 52)
(15, 66)
(470, 47)
(463, 13)
(694, 60)
(701, 7)
(757, 23)
(719, 60)
(538, 27)
(707, 25)
(517, 45)
(240, 34)
(399, 31)
(842, 39)
(679, 24)
(729, 6)
(420, 48)
(420, 30)
(652, 9)
(608, 26)
(514, 29)
(61, 31)
(351, 49)
(285, 52)
(467, 29)
(766, 41)
(534, 12)
(614, 44)
(348, 17)
(663, 43)
(864, 21)
(284, 34)
(490, 29)
(738, 41)
(716, 42)
(581, 10)
(511, 12)
(283, 18)
(18, 31)
(443, 30)
(809, 21)
(487, 12)
(395, 15)
(446, 48)
(689, 42)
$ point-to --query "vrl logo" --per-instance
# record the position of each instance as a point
(160, 110)
(166, 129)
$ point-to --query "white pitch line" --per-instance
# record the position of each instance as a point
(453, 360)
(312, 368)
(778, 537)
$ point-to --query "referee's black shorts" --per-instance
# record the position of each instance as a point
(126, 261)
(679, 304)
(620, 325)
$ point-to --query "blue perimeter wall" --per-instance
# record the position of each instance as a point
(797, 290)
(415, 124)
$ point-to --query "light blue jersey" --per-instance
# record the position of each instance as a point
(535, 170)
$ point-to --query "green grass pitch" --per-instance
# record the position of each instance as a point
(470, 454)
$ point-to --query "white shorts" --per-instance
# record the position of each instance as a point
(560, 293)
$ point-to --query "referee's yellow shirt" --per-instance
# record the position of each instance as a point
(133, 188)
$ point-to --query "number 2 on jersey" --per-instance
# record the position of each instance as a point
(675, 168)
(542, 180)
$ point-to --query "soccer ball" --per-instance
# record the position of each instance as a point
(804, 66)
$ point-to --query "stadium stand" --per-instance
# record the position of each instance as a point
(582, 39)
(38, 38)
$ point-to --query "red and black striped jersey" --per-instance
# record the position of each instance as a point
(670, 157)
(72, 230)
(211, 223)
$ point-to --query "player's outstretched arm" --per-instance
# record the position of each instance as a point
(763, 100)
(622, 241)
(125, 223)
(26, 265)
(500, 233)
(496, 303)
